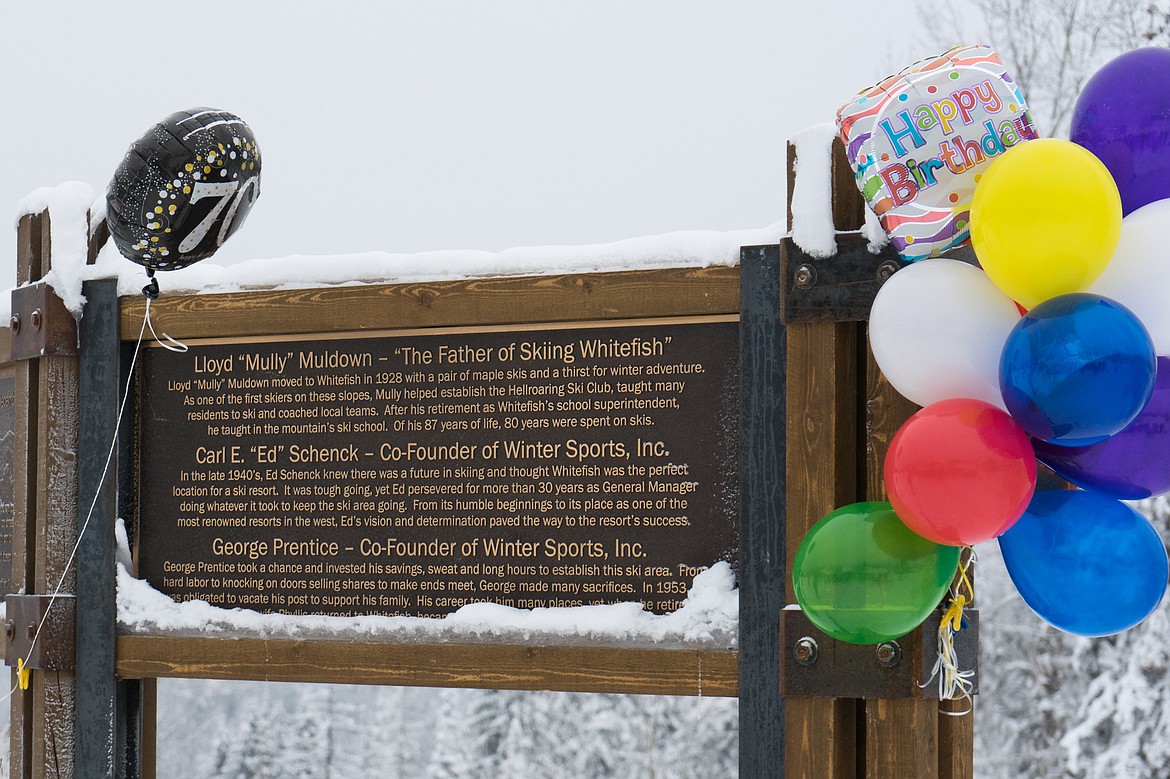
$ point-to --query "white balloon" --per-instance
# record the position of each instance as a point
(937, 329)
(1138, 276)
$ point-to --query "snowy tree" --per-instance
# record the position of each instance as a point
(257, 752)
(535, 735)
(1052, 704)
(704, 738)
(1124, 713)
(470, 729)
(309, 734)
(255, 730)
(1053, 46)
(1029, 681)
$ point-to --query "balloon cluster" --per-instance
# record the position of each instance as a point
(1057, 348)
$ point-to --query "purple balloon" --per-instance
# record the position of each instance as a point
(1131, 464)
(1123, 117)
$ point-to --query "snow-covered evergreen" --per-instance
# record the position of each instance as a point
(1057, 705)
(255, 730)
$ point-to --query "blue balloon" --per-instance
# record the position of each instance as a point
(1076, 369)
(1086, 564)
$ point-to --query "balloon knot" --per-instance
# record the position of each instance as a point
(151, 290)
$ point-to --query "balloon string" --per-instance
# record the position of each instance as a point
(22, 670)
(170, 344)
(953, 683)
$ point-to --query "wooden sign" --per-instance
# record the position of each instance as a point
(412, 472)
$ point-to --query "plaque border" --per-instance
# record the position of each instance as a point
(637, 297)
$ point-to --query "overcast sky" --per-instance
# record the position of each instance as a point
(409, 126)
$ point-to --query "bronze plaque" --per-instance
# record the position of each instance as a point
(409, 473)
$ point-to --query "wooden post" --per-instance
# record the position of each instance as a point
(29, 248)
(842, 414)
(822, 734)
(45, 521)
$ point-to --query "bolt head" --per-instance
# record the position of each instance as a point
(37, 319)
(887, 269)
(14, 323)
(10, 629)
(805, 276)
(888, 654)
(805, 651)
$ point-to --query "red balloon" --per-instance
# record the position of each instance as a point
(960, 472)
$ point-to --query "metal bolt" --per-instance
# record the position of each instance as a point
(37, 318)
(806, 276)
(10, 629)
(14, 323)
(805, 651)
(888, 654)
(887, 269)
(31, 631)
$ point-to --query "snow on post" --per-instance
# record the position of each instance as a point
(812, 191)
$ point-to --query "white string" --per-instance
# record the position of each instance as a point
(953, 683)
(97, 492)
(170, 344)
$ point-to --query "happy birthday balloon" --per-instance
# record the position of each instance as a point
(183, 188)
(1129, 465)
(1123, 117)
(861, 576)
(1086, 564)
(937, 329)
(960, 472)
(1077, 369)
(1045, 220)
(918, 141)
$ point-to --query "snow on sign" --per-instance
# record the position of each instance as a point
(410, 473)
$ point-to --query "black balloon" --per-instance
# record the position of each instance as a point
(183, 188)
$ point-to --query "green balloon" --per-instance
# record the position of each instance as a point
(863, 577)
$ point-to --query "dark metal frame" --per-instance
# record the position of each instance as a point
(762, 562)
(108, 711)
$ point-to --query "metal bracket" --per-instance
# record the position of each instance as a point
(840, 288)
(813, 664)
(55, 646)
(40, 323)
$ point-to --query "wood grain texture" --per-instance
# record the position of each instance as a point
(885, 411)
(24, 481)
(820, 733)
(956, 741)
(901, 739)
(822, 425)
(791, 181)
(98, 235)
(848, 204)
(821, 738)
(5, 345)
(46, 516)
(57, 498)
(489, 301)
(149, 734)
(487, 666)
(32, 247)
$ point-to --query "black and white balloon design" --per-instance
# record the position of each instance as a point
(183, 188)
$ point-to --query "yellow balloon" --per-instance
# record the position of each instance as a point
(1045, 220)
